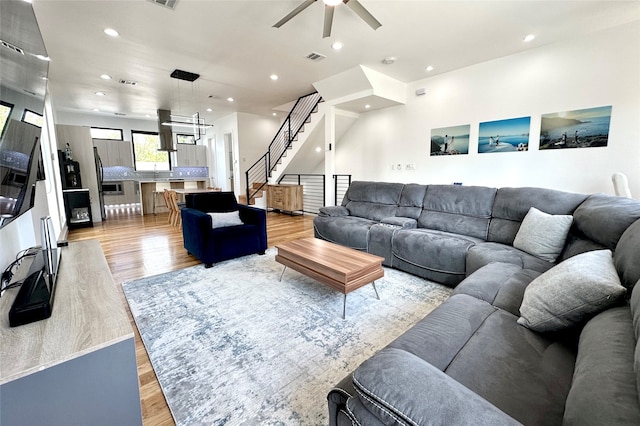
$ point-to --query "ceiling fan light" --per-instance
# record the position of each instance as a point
(332, 2)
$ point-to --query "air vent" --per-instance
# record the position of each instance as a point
(120, 114)
(128, 82)
(315, 56)
(12, 47)
(171, 4)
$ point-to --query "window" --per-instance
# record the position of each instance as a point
(106, 133)
(145, 152)
(32, 118)
(186, 139)
(5, 113)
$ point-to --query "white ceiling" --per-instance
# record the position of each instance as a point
(235, 49)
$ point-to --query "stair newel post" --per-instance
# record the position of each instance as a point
(246, 174)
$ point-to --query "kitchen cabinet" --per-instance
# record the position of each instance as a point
(130, 194)
(114, 153)
(191, 155)
(285, 197)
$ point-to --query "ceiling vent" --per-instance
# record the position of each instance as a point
(315, 56)
(170, 4)
(12, 47)
(128, 82)
(120, 114)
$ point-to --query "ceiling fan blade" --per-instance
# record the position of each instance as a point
(293, 13)
(363, 13)
(328, 21)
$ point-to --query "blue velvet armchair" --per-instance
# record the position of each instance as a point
(212, 245)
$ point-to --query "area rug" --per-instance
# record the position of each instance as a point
(233, 345)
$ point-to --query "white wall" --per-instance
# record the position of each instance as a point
(599, 70)
(98, 120)
(251, 136)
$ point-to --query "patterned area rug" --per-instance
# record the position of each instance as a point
(233, 345)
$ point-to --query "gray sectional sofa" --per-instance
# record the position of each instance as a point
(543, 332)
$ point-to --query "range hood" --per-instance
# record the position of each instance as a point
(165, 132)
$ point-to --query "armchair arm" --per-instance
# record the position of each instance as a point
(403, 222)
(334, 211)
(258, 217)
(395, 386)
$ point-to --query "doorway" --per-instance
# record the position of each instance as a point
(230, 163)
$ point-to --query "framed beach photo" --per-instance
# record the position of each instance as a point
(509, 135)
(582, 128)
(452, 140)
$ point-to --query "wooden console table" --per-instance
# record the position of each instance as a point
(285, 197)
(79, 365)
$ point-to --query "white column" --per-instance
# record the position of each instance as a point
(329, 154)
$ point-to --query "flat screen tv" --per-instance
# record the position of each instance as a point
(22, 88)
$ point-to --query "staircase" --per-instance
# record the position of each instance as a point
(292, 129)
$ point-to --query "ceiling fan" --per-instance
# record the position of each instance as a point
(329, 7)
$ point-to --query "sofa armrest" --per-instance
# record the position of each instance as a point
(402, 222)
(334, 211)
(396, 386)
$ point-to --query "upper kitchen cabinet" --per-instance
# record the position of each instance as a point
(191, 155)
(114, 153)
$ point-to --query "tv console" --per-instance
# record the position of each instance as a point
(79, 365)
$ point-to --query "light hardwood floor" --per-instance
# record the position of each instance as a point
(139, 246)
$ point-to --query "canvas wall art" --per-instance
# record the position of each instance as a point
(582, 128)
(509, 135)
(452, 140)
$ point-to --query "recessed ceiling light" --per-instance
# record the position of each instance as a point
(274, 114)
(318, 149)
(389, 60)
(43, 58)
(529, 38)
(95, 110)
(111, 32)
(230, 99)
(429, 68)
(147, 115)
(367, 106)
(209, 110)
(337, 45)
(273, 77)
(100, 94)
(45, 78)
(105, 76)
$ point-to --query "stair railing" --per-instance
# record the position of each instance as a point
(261, 170)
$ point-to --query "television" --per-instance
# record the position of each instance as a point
(22, 88)
(34, 300)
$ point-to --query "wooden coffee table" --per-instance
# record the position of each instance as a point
(339, 267)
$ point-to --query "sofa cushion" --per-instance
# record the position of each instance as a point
(512, 204)
(457, 209)
(571, 292)
(411, 200)
(543, 235)
(604, 218)
(523, 373)
(500, 284)
(431, 254)
(604, 386)
(347, 231)
(626, 255)
(224, 219)
(484, 253)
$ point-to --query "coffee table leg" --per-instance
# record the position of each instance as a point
(282, 274)
(344, 307)
(376, 290)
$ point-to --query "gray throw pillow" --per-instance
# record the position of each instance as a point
(571, 292)
(221, 220)
(543, 235)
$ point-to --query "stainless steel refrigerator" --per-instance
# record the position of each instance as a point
(100, 174)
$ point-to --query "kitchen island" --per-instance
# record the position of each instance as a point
(151, 191)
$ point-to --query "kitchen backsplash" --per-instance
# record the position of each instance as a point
(129, 173)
